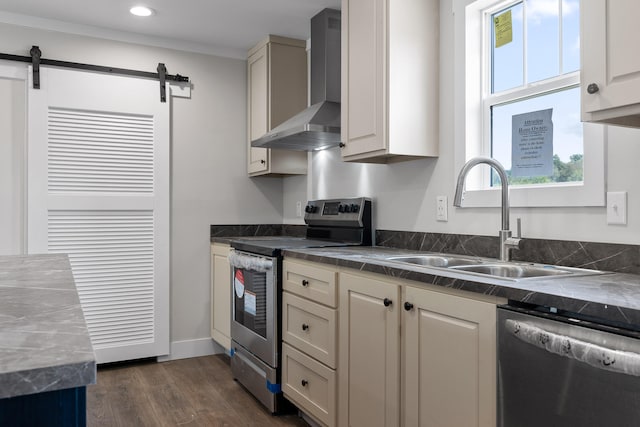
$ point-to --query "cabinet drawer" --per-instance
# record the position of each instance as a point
(309, 384)
(310, 327)
(315, 283)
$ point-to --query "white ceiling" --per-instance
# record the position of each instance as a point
(222, 27)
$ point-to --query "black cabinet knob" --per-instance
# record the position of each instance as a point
(305, 283)
(387, 302)
(408, 306)
(341, 145)
(304, 383)
(263, 161)
(592, 88)
(305, 327)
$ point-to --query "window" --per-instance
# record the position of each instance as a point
(521, 63)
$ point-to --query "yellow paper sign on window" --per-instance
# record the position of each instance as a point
(502, 29)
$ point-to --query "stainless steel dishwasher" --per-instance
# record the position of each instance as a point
(555, 370)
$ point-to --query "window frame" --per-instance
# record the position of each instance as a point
(471, 123)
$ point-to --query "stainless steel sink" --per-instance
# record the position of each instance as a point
(489, 267)
(443, 261)
(515, 271)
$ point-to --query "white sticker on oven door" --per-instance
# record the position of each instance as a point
(250, 303)
(238, 283)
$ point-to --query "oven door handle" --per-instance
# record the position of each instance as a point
(248, 262)
(608, 359)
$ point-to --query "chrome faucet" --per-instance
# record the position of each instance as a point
(506, 241)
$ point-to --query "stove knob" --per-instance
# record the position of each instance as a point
(341, 208)
(355, 208)
(307, 209)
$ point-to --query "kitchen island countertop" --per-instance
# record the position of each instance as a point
(44, 341)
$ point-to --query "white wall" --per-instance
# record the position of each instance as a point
(405, 193)
(12, 132)
(208, 178)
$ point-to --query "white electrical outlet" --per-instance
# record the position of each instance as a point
(617, 207)
(298, 209)
(441, 208)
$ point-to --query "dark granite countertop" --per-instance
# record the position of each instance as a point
(44, 341)
(612, 297)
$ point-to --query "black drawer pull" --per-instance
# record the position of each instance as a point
(408, 306)
(304, 383)
(305, 283)
(305, 327)
(387, 302)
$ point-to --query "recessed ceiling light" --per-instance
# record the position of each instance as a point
(141, 11)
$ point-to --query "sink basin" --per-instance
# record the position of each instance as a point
(515, 271)
(489, 267)
(443, 261)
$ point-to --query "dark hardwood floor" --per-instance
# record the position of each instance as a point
(188, 392)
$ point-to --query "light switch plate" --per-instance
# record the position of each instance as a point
(441, 208)
(617, 207)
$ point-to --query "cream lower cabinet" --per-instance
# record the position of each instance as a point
(309, 334)
(449, 360)
(369, 352)
(221, 295)
(610, 77)
(439, 371)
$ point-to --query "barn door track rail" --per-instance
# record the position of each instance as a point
(36, 61)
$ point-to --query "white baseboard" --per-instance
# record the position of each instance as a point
(192, 348)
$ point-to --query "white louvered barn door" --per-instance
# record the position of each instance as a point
(98, 190)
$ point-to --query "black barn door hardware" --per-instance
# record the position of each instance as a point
(36, 61)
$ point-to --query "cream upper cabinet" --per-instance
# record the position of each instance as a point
(276, 91)
(390, 89)
(221, 295)
(449, 360)
(369, 352)
(610, 68)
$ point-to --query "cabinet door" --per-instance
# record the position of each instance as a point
(363, 73)
(449, 360)
(610, 30)
(221, 295)
(369, 362)
(258, 107)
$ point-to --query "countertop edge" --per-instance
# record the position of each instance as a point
(44, 339)
(613, 297)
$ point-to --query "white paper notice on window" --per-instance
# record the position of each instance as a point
(532, 144)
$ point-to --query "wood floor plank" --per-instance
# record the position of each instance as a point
(188, 392)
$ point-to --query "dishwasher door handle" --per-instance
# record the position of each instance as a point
(623, 362)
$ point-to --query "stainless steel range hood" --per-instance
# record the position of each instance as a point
(318, 126)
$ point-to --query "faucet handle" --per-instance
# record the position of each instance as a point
(519, 228)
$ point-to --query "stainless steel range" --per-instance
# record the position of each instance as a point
(257, 289)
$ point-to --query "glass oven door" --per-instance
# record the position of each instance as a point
(254, 304)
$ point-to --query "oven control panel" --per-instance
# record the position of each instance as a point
(332, 210)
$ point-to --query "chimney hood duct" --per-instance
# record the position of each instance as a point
(317, 127)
